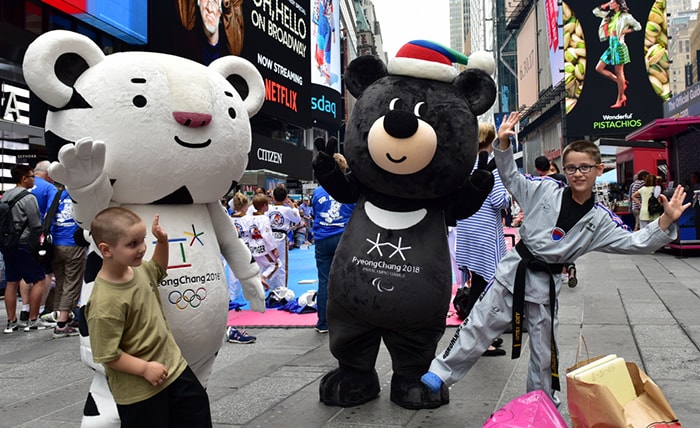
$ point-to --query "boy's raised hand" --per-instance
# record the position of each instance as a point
(160, 234)
(507, 129)
(674, 207)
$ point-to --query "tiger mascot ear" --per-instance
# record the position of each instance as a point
(55, 61)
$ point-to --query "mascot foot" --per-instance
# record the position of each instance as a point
(410, 393)
(346, 387)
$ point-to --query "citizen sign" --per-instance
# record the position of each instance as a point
(270, 156)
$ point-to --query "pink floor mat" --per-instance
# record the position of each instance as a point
(282, 319)
(272, 318)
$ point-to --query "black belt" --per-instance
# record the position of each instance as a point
(528, 261)
(279, 230)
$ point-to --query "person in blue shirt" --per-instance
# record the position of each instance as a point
(43, 189)
(68, 264)
(330, 219)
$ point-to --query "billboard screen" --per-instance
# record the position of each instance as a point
(273, 35)
(124, 19)
(326, 102)
(325, 63)
(277, 42)
(615, 65)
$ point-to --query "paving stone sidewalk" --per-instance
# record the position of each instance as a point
(645, 308)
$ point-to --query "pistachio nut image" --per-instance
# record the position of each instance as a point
(656, 50)
(574, 57)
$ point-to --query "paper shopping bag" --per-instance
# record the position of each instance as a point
(532, 410)
(594, 405)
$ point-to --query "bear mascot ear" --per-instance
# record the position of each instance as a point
(53, 64)
(362, 72)
(478, 88)
(245, 78)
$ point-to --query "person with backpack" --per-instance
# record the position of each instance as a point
(20, 227)
(45, 192)
(645, 197)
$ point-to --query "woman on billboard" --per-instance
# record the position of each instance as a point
(616, 21)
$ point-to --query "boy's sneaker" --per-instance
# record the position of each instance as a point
(12, 326)
(66, 331)
(38, 324)
(235, 336)
(23, 318)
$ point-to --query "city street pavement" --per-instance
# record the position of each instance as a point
(643, 308)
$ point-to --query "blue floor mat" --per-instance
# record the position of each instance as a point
(302, 267)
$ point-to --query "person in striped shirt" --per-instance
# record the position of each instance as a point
(480, 241)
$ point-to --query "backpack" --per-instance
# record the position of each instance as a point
(9, 235)
(654, 206)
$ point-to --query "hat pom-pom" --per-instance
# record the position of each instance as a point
(483, 61)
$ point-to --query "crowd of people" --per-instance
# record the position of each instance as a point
(48, 278)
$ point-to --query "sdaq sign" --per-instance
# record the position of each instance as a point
(324, 105)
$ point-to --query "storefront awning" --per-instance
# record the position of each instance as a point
(663, 129)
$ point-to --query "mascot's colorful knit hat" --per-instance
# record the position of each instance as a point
(429, 60)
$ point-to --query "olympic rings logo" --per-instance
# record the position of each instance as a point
(186, 298)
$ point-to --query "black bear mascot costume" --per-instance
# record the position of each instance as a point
(410, 144)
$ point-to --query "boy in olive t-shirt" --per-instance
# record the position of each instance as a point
(150, 381)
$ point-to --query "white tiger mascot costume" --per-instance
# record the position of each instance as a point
(160, 134)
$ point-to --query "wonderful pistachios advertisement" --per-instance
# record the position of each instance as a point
(615, 65)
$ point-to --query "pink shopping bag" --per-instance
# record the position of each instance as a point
(532, 410)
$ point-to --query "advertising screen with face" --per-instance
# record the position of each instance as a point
(615, 65)
(274, 35)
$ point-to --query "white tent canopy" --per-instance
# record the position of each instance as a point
(608, 177)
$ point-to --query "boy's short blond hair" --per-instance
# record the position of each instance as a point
(260, 200)
(111, 224)
(582, 146)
